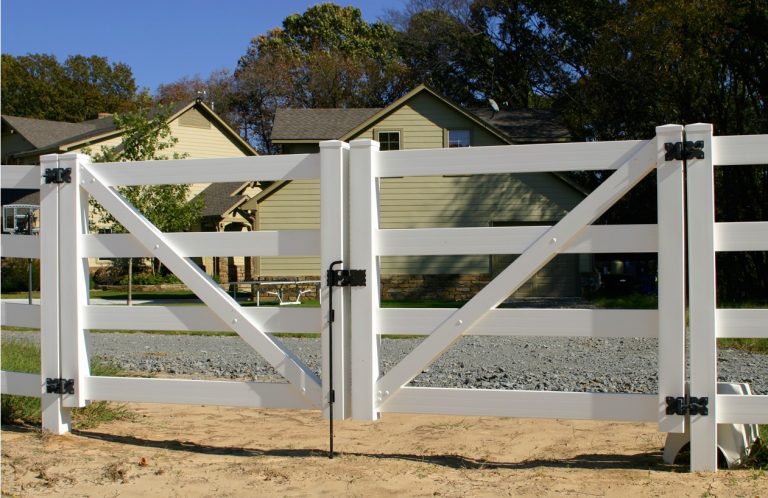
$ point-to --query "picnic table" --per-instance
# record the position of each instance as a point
(279, 292)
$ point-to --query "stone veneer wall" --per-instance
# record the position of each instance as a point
(455, 287)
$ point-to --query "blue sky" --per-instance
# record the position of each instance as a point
(160, 40)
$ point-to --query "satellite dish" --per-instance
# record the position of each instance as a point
(494, 105)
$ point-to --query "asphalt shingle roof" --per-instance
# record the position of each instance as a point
(43, 134)
(318, 124)
(218, 198)
(526, 125)
(519, 125)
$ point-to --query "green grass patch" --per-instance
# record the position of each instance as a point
(758, 455)
(151, 295)
(751, 345)
(427, 303)
(24, 356)
(629, 302)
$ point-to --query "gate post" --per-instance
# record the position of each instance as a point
(334, 246)
(671, 253)
(55, 418)
(702, 296)
(364, 224)
(74, 278)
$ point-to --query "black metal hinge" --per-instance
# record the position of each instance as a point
(60, 386)
(346, 278)
(679, 151)
(688, 405)
(58, 175)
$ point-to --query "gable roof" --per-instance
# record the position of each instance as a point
(42, 133)
(56, 136)
(510, 126)
(318, 124)
(221, 198)
(408, 96)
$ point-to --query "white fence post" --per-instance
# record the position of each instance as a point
(671, 227)
(364, 224)
(334, 246)
(55, 418)
(702, 296)
(74, 279)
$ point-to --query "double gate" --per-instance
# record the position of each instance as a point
(351, 383)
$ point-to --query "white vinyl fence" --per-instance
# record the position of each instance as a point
(349, 177)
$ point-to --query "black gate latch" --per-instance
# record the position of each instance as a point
(58, 175)
(60, 386)
(688, 405)
(679, 151)
(346, 278)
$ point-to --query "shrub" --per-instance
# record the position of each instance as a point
(16, 275)
(150, 279)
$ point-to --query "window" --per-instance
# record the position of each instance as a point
(389, 140)
(458, 138)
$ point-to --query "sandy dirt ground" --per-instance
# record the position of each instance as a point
(191, 451)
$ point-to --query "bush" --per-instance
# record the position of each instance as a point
(16, 275)
(150, 279)
(107, 275)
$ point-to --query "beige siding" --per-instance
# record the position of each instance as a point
(295, 206)
(422, 202)
(95, 147)
(200, 142)
(423, 121)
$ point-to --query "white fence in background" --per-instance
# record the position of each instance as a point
(349, 177)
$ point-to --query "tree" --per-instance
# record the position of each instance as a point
(216, 91)
(326, 57)
(146, 134)
(38, 86)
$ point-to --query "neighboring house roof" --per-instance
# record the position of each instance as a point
(510, 126)
(49, 137)
(317, 124)
(42, 133)
(20, 196)
(221, 198)
(526, 125)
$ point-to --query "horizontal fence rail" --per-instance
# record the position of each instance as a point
(236, 169)
(26, 177)
(20, 246)
(507, 159)
(528, 322)
(513, 240)
(254, 243)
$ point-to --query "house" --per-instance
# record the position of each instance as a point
(222, 213)
(200, 132)
(424, 119)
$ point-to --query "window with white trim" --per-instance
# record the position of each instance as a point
(389, 140)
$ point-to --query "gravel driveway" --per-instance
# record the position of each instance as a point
(553, 364)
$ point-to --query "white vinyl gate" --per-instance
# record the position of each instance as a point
(349, 177)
